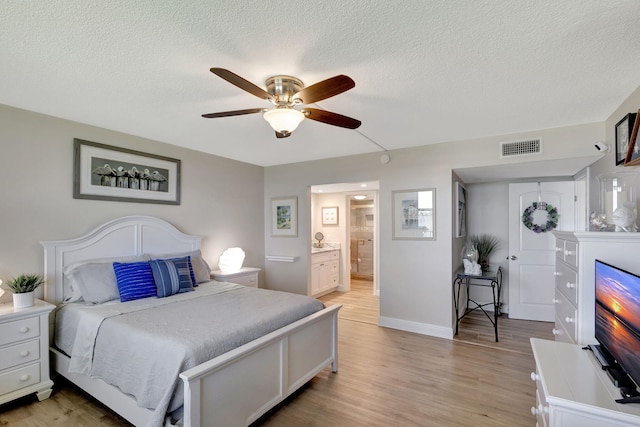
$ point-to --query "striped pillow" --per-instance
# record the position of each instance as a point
(172, 276)
(135, 280)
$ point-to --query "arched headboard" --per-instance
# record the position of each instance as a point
(126, 236)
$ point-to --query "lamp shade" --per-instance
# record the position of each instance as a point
(284, 119)
(231, 260)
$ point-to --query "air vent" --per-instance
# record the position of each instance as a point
(521, 148)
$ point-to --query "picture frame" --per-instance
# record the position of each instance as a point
(632, 157)
(284, 216)
(414, 214)
(105, 172)
(330, 215)
(461, 210)
(623, 131)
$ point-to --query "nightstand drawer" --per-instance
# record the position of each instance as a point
(19, 330)
(19, 354)
(250, 279)
(19, 378)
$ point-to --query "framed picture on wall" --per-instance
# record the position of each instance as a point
(461, 210)
(624, 129)
(284, 216)
(330, 215)
(105, 172)
(633, 152)
(414, 214)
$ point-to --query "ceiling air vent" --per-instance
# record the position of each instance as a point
(521, 148)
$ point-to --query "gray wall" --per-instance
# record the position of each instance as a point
(222, 199)
(415, 276)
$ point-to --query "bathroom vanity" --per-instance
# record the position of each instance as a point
(325, 270)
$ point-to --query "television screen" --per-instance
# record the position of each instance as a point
(617, 316)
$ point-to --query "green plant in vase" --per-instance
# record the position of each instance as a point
(485, 244)
(25, 283)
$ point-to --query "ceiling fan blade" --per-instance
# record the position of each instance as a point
(283, 134)
(325, 89)
(243, 84)
(234, 113)
(330, 118)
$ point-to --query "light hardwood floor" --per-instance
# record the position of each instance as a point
(386, 377)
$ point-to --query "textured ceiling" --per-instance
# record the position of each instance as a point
(426, 71)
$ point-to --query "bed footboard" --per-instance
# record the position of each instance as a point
(238, 387)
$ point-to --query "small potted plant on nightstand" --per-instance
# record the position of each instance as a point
(23, 287)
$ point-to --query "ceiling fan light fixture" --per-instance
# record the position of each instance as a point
(284, 120)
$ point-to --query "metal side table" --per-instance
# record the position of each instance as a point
(490, 279)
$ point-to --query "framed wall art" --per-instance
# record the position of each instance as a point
(330, 215)
(105, 172)
(461, 210)
(284, 216)
(414, 214)
(632, 157)
(623, 135)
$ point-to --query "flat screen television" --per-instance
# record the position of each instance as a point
(617, 321)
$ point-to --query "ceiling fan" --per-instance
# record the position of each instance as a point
(286, 93)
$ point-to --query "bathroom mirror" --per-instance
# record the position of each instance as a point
(319, 236)
(414, 214)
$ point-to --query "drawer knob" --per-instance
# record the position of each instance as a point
(25, 353)
(534, 410)
(568, 319)
(567, 253)
(24, 330)
(557, 273)
(534, 376)
(543, 409)
(556, 332)
(558, 249)
(25, 377)
(555, 301)
(570, 285)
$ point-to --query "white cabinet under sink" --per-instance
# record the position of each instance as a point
(325, 272)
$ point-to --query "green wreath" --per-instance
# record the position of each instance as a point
(552, 218)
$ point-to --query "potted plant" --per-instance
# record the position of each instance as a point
(23, 287)
(485, 244)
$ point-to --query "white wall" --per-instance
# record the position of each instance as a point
(487, 213)
(222, 199)
(607, 163)
(415, 276)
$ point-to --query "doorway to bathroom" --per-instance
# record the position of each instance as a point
(354, 231)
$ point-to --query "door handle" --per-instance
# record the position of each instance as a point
(513, 258)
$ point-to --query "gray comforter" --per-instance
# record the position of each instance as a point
(142, 352)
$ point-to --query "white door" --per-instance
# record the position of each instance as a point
(531, 254)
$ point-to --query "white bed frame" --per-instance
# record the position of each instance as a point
(233, 389)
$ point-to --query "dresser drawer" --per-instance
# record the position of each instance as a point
(19, 354)
(19, 330)
(566, 316)
(571, 253)
(567, 282)
(324, 257)
(19, 378)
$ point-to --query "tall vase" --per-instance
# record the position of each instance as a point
(470, 252)
(23, 300)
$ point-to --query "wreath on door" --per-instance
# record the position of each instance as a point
(550, 224)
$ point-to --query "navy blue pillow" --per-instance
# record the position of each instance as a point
(192, 274)
(172, 276)
(135, 280)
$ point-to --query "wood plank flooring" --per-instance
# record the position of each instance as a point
(386, 377)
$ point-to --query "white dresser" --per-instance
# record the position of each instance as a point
(573, 391)
(24, 351)
(325, 272)
(574, 299)
(247, 276)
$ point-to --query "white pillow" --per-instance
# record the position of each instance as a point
(94, 281)
(201, 269)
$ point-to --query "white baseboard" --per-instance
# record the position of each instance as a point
(416, 327)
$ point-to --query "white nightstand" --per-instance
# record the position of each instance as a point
(247, 276)
(24, 351)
